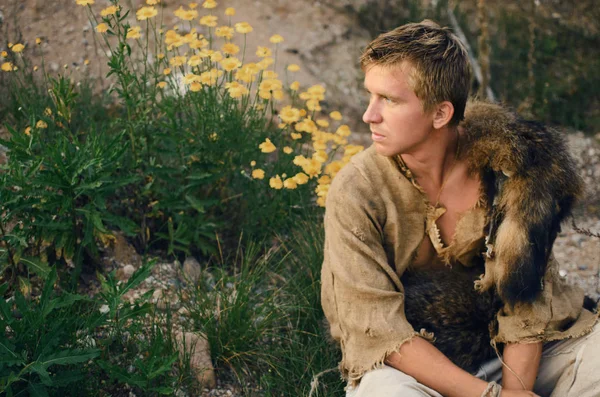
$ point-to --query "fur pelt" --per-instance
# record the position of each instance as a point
(533, 182)
(443, 302)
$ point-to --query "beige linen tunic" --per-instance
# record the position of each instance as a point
(375, 220)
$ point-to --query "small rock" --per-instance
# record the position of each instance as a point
(198, 350)
(125, 272)
(562, 273)
(191, 269)
(582, 267)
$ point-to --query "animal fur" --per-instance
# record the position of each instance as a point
(444, 302)
(539, 185)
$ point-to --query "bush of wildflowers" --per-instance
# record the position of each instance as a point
(202, 139)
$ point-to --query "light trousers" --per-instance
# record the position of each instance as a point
(568, 368)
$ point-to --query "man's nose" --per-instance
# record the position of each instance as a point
(372, 115)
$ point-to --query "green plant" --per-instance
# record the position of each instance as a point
(42, 343)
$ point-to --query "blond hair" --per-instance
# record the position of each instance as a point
(441, 69)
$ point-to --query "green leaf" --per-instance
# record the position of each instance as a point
(40, 369)
(36, 266)
(37, 390)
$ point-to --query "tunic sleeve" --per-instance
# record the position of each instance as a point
(556, 314)
(362, 296)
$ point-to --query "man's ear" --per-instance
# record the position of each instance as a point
(443, 114)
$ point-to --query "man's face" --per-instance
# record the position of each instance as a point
(395, 114)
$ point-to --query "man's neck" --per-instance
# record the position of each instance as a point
(434, 158)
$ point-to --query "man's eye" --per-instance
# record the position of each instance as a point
(387, 100)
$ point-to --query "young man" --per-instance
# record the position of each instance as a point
(417, 198)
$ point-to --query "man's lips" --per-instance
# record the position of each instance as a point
(376, 137)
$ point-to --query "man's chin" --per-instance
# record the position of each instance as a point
(384, 150)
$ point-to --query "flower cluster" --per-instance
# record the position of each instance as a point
(207, 57)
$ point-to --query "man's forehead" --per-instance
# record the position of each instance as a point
(382, 77)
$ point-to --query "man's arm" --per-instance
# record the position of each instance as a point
(424, 362)
(524, 360)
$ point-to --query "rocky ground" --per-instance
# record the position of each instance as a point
(325, 39)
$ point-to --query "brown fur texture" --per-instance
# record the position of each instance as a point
(444, 302)
(527, 170)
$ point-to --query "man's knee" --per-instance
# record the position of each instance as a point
(389, 382)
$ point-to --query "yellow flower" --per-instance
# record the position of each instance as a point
(160, 56)
(287, 150)
(335, 115)
(167, 71)
(331, 169)
(290, 183)
(270, 85)
(216, 56)
(312, 167)
(319, 145)
(230, 64)
(209, 4)
(323, 123)
(224, 31)
(324, 180)
(300, 178)
(102, 28)
(313, 105)
(84, 2)
(278, 95)
(146, 13)
(134, 33)
(236, 90)
(293, 67)
(35, 68)
(295, 136)
(252, 163)
(200, 43)
(152, 2)
(351, 150)
(193, 5)
(275, 182)
(17, 47)
(289, 114)
(112, 10)
(194, 60)
(7, 67)
(243, 27)
(276, 39)
(4, 54)
(41, 124)
(209, 20)
(267, 146)
(48, 112)
(195, 86)
(162, 84)
(269, 74)
(186, 15)
(38, 41)
(177, 61)
(258, 174)
(295, 86)
(265, 63)
(321, 202)
(230, 48)
(343, 130)
(230, 11)
(211, 77)
(263, 52)
(27, 131)
(191, 78)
